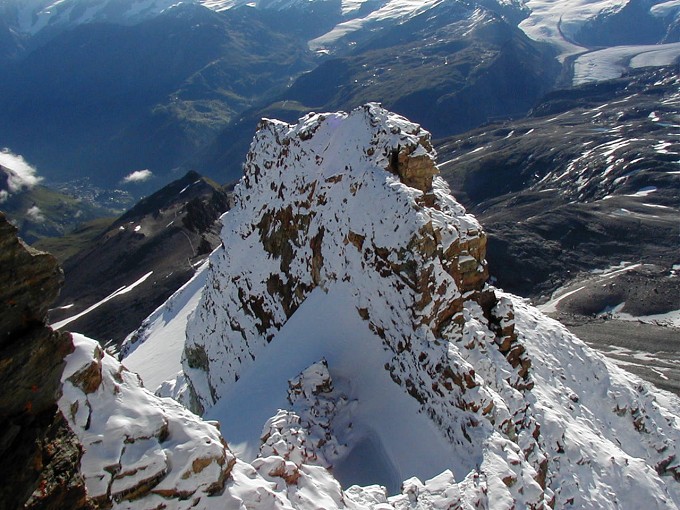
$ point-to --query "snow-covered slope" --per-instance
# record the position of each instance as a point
(557, 22)
(349, 320)
(610, 63)
(32, 16)
(391, 11)
(142, 451)
(161, 335)
(135, 444)
(354, 19)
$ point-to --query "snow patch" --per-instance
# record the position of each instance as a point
(122, 290)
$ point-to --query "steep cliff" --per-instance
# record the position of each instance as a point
(40, 453)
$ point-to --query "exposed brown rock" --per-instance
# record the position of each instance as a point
(356, 239)
(289, 474)
(467, 262)
(415, 168)
(89, 378)
(141, 488)
(669, 467)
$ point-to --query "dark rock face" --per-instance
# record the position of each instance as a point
(167, 234)
(40, 453)
(31, 282)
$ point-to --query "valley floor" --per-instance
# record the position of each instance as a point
(648, 350)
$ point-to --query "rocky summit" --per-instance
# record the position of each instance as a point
(406, 249)
(348, 342)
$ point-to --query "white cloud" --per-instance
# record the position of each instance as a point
(35, 214)
(20, 175)
(138, 176)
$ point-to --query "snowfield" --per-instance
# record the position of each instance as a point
(161, 336)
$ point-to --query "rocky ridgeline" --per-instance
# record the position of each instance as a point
(352, 198)
(79, 431)
(355, 200)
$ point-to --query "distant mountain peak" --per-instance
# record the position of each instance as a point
(34, 16)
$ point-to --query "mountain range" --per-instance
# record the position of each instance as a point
(108, 88)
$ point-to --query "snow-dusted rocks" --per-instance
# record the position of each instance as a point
(350, 318)
(137, 446)
(331, 200)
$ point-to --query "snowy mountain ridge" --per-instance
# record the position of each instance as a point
(35, 15)
(348, 316)
(605, 37)
(368, 141)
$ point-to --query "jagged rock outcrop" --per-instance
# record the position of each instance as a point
(137, 446)
(426, 252)
(40, 453)
(325, 414)
(345, 245)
